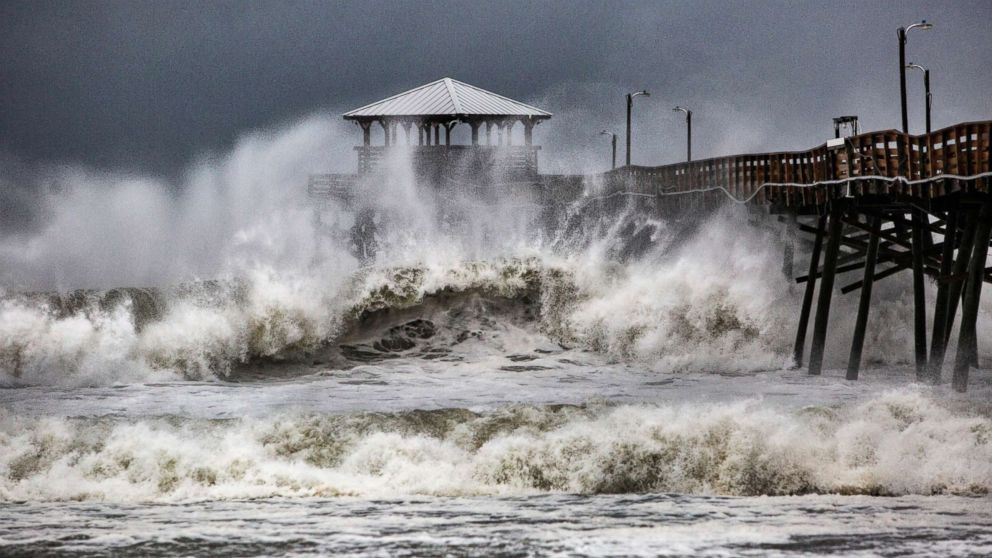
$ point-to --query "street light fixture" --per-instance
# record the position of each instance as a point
(688, 131)
(926, 89)
(630, 103)
(902, 31)
(613, 141)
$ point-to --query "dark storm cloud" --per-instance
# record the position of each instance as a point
(150, 85)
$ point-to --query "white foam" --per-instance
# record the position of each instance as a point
(902, 442)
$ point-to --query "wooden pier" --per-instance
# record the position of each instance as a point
(879, 202)
(876, 203)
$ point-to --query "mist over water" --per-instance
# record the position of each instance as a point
(212, 340)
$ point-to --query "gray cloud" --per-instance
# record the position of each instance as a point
(151, 85)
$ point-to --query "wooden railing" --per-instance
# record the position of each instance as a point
(502, 162)
(961, 150)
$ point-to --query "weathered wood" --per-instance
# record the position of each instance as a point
(858, 342)
(967, 351)
(840, 268)
(939, 341)
(956, 288)
(919, 296)
(789, 247)
(877, 277)
(814, 263)
(826, 289)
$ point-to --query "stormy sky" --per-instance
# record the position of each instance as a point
(150, 85)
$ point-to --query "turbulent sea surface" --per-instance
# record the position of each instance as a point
(617, 388)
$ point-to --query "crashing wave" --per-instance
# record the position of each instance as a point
(902, 442)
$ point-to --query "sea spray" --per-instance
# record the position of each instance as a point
(715, 304)
(901, 442)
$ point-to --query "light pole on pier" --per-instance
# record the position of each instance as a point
(919, 237)
(902, 31)
(926, 89)
(613, 141)
(688, 131)
(630, 104)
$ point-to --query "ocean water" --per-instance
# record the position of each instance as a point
(493, 384)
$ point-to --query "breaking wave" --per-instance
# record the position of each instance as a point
(901, 442)
(718, 303)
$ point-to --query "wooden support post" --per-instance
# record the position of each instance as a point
(959, 271)
(475, 131)
(938, 344)
(814, 264)
(858, 343)
(968, 341)
(826, 289)
(919, 295)
(789, 247)
(366, 132)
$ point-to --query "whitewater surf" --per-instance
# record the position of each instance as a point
(494, 382)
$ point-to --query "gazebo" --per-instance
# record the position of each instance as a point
(442, 105)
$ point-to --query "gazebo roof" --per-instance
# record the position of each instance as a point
(446, 97)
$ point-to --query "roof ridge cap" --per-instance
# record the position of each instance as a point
(453, 95)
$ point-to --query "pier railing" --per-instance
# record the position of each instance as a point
(784, 177)
(507, 162)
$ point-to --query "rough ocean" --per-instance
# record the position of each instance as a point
(214, 373)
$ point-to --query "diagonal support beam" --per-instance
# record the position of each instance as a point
(858, 342)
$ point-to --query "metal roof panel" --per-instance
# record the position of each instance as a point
(446, 97)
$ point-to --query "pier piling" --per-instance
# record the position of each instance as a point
(814, 265)
(826, 288)
(940, 312)
(967, 353)
(857, 343)
(919, 248)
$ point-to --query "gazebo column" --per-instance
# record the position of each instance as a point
(509, 131)
(447, 132)
(385, 132)
(489, 132)
(420, 134)
(437, 134)
(406, 130)
(528, 132)
(475, 131)
(366, 132)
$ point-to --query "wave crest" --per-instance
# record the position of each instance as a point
(902, 442)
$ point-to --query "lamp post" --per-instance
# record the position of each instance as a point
(919, 219)
(613, 141)
(902, 31)
(688, 131)
(929, 101)
(630, 104)
(926, 89)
